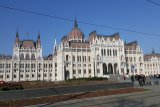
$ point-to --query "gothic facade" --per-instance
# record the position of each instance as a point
(152, 63)
(74, 57)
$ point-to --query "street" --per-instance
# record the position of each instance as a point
(34, 93)
(142, 99)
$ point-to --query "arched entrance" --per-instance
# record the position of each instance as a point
(110, 68)
(105, 69)
(116, 68)
(127, 71)
(66, 75)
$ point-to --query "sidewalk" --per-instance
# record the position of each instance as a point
(148, 98)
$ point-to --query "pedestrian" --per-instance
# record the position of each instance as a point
(140, 80)
(124, 77)
(144, 79)
(132, 78)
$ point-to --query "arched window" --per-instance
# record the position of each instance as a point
(67, 57)
(122, 58)
(130, 59)
(113, 52)
(15, 65)
(101, 51)
(27, 57)
(97, 57)
(31, 65)
(104, 52)
(39, 65)
(22, 56)
(15, 57)
(89, 58)
(110, 52)
(134, 59)
(83, 58)
(79, 58)
(7, 65)
(33, 57)
(73, 58)
(140, 59)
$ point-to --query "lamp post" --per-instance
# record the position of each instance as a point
(94, 65)
(133, 70)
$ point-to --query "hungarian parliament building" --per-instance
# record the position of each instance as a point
(76, 57)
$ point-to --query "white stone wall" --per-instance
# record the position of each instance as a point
(152, 66)
(109, 53)
(103, 57)
(135, 58)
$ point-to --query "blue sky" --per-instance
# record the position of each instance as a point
(138, 15)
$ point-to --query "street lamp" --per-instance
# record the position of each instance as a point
(133, 70)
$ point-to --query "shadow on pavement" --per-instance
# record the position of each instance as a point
(65, 99)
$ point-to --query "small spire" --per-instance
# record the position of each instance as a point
(153, 52)
(125, 42)
(38, 35)
(75, 23)
(27, 34)
(17, 37)
(55, 46)
(17, 34)
(55, 43)
(38, 38)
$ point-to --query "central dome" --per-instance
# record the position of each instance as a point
(75, 34)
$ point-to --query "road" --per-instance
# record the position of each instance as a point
(33, 93)
(142, 99)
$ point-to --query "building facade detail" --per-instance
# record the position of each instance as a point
(152, 63)
(76, 57)
(134, 58)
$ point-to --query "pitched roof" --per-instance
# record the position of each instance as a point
(49, 57)
(75, 33)
(28, 44)
(131, 45)
(149, 56)
(79, 44)
(93, 34)
(8, 57)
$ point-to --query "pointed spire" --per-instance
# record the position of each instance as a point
(125, 42)
(75, 23)
(153, 52)
(17, 37)
(55, 46)
(55, 43)
(38, 35)
(17, 34)
(38, 38)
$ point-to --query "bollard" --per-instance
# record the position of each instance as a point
(156, 82)
(148, 83)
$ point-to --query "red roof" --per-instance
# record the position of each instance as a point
(75, 34)
(79, 44)
(28, 44)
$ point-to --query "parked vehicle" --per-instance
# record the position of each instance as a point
(2, 82)
(5, 86)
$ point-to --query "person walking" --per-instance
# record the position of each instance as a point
(140, 80)
(144, 79)
(132, 78)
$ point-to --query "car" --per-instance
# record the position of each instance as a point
(2, 82)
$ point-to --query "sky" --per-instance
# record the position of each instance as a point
(137, 15)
